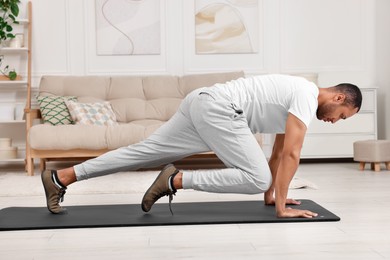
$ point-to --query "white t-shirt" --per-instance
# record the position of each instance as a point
(267, 100)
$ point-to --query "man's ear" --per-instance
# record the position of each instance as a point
(339, 98)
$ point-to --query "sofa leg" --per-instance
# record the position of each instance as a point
(377, 167)
(42, 165)
(30, 166)
(362, 165)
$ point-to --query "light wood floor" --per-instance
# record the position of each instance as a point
(361, 199)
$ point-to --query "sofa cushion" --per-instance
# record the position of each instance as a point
(66, 137)
(91, 113)
(131, 109)
(126, 87)
(94, 86)
(156, 87)
(54, 111)
(45, 137)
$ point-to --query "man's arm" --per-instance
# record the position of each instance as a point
(289, 161)
(273, 163)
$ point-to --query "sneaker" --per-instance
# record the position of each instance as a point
(160, 188)
(54, 194)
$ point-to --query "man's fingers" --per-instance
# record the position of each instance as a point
(309, 214)
(293, 202)
(293, 213)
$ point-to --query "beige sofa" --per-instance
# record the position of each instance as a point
(141, 105)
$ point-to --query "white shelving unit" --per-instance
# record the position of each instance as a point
(8, 86)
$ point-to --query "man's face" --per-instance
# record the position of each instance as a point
(332, 112)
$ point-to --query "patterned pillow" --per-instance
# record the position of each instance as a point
(54, 110)
(91, 113)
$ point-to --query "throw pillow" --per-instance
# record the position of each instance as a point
(92, 113)
(54, 110)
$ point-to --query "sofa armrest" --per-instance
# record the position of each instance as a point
(33, 113)
(30, 114)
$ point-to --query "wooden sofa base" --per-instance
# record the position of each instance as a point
(58, 155)
(203, 160)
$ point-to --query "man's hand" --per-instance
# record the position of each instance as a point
(289, 212)
(296, 213)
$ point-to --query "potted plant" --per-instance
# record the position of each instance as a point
(7, 74)
(9, 10)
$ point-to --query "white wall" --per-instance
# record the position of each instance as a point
(334, 38)
(341, 40)
(383, 66)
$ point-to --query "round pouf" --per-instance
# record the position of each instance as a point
(372, 151)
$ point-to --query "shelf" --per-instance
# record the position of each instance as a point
(13, 87)
(13, 122)
(12, 160)
(23, 21)
(14, 50)
(13, 82)
(20, 155)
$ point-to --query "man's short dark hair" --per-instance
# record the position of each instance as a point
(352, 93)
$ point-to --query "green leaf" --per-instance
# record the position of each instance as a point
(10, 10)
(12, 17)
(14, 9)
(8, 28)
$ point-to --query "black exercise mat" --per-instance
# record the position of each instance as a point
(230, 212)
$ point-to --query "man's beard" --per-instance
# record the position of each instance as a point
(324, 111)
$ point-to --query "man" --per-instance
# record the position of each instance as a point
(223, 118)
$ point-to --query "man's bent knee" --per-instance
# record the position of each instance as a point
(260, 184)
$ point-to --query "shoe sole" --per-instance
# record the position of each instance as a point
(151, 186)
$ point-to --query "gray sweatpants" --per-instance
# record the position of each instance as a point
(204, 122)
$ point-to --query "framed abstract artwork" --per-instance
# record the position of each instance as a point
(128, 27)
(226, 26)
